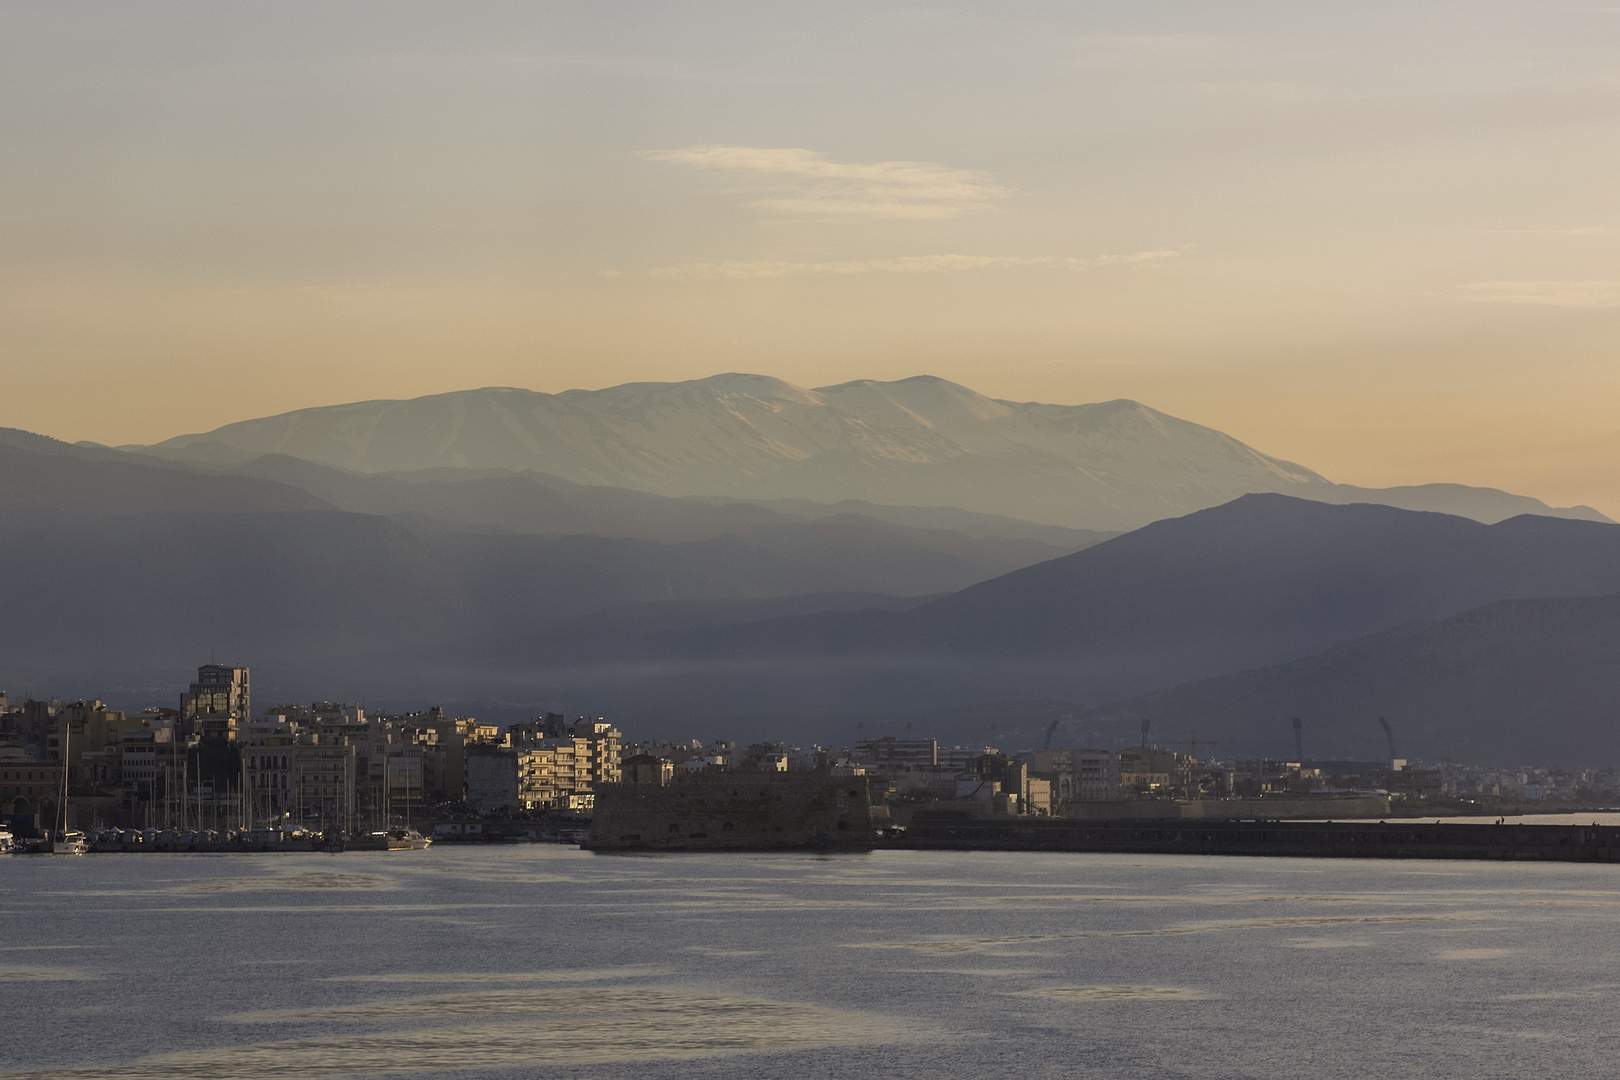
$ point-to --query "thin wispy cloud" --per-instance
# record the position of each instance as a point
(1585, 230)
(1569, 294)
(797, 181)
(908, 264)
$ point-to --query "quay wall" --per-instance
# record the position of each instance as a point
(945, 830)
(1335, 808)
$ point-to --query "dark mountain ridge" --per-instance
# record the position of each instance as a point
(294, 589)
(1262, 576)
(1263, 580)
(567, 534)
(63, 486)
(1517, 682)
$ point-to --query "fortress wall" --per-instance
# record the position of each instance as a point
(736, 811)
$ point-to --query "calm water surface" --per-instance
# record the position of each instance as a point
(538, 961)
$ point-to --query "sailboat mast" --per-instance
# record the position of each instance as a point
(61, 802)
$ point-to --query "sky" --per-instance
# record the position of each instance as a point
(1378, 239)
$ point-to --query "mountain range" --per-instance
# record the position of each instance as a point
(1262, 580)
(736, 556)
(923, 441)
(134, 540)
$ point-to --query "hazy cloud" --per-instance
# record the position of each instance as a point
(907, 264)
(1575, 294)
(796, 181)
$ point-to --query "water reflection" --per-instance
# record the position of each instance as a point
(593, 1026)
(536, 961)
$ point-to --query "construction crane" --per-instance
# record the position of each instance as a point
(1390, 735)
(1299, 741)
(1193, 742)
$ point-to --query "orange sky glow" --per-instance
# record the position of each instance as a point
(1381, 240)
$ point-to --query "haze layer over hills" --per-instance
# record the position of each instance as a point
(919, 442)
(740, 557)
(597, 547)
(1511, 682)
(1261, 580)
(742, 620)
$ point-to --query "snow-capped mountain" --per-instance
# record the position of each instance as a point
(919, 442)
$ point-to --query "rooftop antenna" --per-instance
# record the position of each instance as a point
(1147, 725)
(1299, 742)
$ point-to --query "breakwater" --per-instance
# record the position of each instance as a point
(953, 830)
(1339, 807)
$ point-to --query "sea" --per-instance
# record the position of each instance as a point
(536, 960)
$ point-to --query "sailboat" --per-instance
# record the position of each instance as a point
(57, 839)
(67, 843)
(407, 838)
